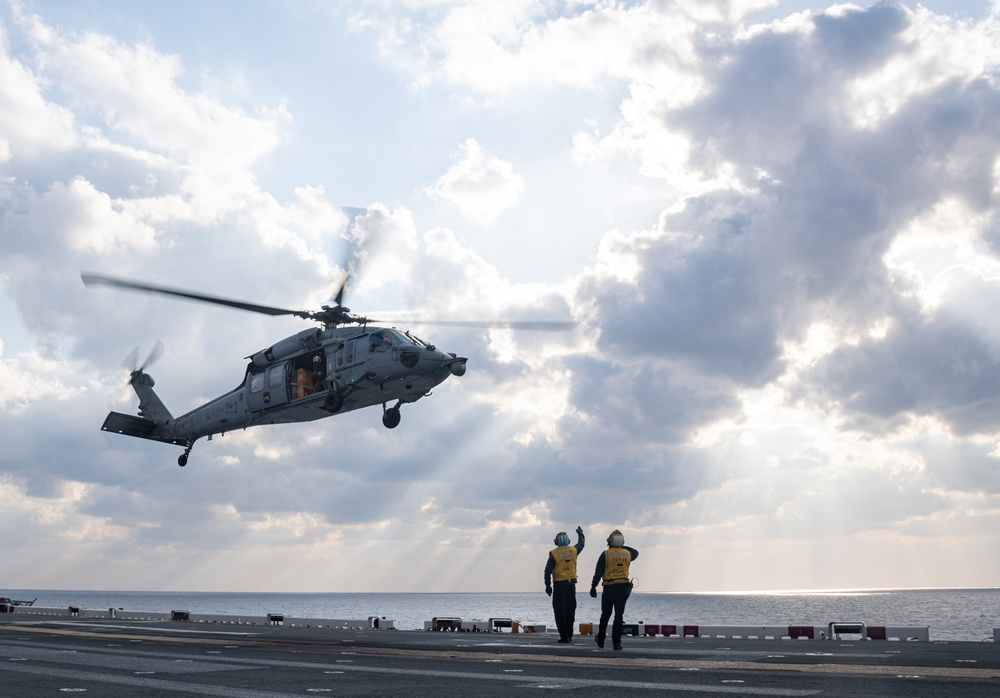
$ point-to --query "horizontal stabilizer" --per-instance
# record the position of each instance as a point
(130, 425)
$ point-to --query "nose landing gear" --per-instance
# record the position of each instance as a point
(391, 416)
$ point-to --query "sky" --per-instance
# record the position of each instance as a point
(777, 225)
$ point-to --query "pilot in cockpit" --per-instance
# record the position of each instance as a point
(380, 341)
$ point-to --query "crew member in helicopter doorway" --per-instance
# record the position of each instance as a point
(612, 568)
(560, 581)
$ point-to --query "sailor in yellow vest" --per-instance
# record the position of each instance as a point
(613, 569)
(560, 581)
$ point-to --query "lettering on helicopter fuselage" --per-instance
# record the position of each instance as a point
(215, 413)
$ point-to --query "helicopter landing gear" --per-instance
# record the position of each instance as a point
(182, 459)
(334, 401)
(391, 417)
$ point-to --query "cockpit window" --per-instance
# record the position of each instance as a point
(415, 340)
(399, 338)
(381, 340)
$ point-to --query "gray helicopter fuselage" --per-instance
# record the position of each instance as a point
(308, 376)
(347, 365)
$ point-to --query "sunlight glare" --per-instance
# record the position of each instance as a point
(937, 250)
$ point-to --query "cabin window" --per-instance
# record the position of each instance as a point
(276, 376)
(256, 382)
(350, 352)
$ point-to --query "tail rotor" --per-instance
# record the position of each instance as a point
(154, 355)
(131, 364)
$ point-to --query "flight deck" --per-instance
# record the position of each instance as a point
(122, 657)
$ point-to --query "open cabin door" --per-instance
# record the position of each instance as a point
(307, 375)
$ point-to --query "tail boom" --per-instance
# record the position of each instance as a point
(140, 427)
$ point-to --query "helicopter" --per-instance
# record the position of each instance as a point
(348, 363)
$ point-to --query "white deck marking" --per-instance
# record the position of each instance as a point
(96, 657)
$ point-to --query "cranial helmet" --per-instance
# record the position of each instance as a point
(616, 539)
(562, 538)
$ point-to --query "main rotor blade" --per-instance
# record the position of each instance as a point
(532, 325)
(353, 255)
(339, 297)
(89, 279)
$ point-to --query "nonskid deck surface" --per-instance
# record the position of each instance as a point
(110, 657)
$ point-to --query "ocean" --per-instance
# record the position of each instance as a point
(952, 614)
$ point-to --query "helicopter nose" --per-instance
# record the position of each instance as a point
(457, 365)
(431, 360)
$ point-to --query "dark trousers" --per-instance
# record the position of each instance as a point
(613, 598)
(564, 606)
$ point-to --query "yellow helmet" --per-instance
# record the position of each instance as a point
(616, 539)
(562, 538)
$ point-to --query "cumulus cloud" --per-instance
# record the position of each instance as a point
(938, 366)
(133, 91)
(29, 122)
(794, 352)
(481, 187)
(805, 241)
